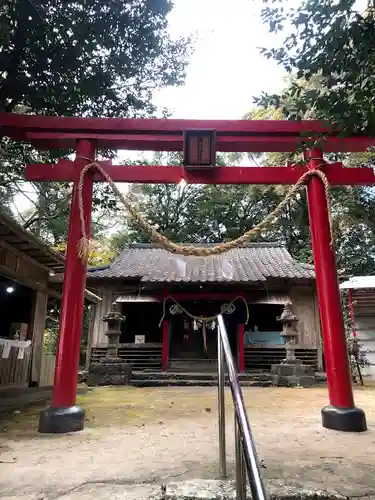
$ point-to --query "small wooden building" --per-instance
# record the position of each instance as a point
(159, 293)
(25, 266)
(361, 299)
(27, 271)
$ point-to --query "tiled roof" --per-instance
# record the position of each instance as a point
(251, 263)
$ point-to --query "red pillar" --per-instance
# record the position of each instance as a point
(64, 416)
(241, 347)
(352, 313)
(341, 414)
(165, 348)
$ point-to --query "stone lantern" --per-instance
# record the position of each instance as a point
(113, 319)
(111, 370)
(289, 333)
(291, 372)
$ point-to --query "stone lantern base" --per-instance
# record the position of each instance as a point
(292, 373)
(109, 371)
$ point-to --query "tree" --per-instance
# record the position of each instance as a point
(87, 57)
(82, 57)
(100, 252)
(197, 213)
(333, 42)
(353, 226)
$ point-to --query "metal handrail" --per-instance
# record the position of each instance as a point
(246, 454)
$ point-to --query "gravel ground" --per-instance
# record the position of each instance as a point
(169, 434)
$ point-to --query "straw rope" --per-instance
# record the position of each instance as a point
(227, 308)
(163, 242)
(205, 319)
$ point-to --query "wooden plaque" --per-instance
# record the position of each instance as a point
(199, 148)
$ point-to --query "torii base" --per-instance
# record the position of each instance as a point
(344, 419)
(61, 420)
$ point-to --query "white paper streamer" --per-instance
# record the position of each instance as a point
(9, 343)
(226, 267)
(6, 350)
(179, 266)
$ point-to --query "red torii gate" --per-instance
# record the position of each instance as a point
(86, 135)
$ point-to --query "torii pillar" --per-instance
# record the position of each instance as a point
(341, 414)
(63, 415)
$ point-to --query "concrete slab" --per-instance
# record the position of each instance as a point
(196, 489)
(104, 491)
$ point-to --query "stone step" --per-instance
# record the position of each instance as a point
(203, 376)
(193, 383)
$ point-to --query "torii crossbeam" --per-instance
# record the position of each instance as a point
(86, 135)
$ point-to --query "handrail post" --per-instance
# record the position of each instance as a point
(240, 463)
(221, 406)
(249, 452)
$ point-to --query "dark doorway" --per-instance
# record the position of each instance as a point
(186, 339)
(16, 307)
(263, 326)
(142, 318)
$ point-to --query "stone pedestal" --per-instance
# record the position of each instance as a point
(293, 374)
(109, 372)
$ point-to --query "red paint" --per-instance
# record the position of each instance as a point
(163, 125)
(165, 348)
(337, 175)
(67, 358)
(241, 347)
(334, 341)
(149, 142)
(352, 313)
(167, 135)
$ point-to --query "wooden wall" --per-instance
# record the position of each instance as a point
(38, 324)
(25, 270)
(19, 267)
(47, 372)
(99, 327)
(305, 306)
(14, 372)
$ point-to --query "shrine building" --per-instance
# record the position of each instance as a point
(163, 297)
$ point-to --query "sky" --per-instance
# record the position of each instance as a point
(226, 69)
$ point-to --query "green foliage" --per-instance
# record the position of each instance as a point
(333, 43)
(87, 57)
(99, 254)
(50, 340)
(82, 57)
(51, 331)
(208, 214)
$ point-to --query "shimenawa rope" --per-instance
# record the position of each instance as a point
(204, 319)
(163, 242)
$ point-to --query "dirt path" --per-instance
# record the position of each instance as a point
(159, 435)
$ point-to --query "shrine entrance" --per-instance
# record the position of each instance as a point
(199, 140)
(193, 343)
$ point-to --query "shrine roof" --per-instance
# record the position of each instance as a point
(250, 263)
(13, 235)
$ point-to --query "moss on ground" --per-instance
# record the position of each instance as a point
(130, 406)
